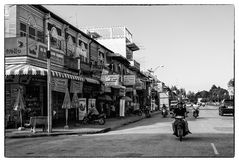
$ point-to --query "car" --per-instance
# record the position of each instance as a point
(226, 107)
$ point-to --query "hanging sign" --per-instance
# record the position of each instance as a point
(76, 86)
(110, 79)
(59, 84)
(82, 108)
(129, 79)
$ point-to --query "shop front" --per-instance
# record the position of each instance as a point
(33, 82)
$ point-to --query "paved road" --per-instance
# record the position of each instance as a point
(212, 137)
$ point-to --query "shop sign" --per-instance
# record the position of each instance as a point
(25, 79)
(129, 89)
(59, 84)
(56, 57)
(70, 62)
(82, 108)
(12, 79)
(139, 85)
(129, 79)
(107, 89)
(15, 46)
(110, 79)
(76, 86)
(121, 92)
(91, 104)
(32, 48)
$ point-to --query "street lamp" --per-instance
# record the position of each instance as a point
(49, 108)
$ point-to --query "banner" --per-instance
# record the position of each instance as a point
(129, 79)
(110, 79)
(76, 86)
(122, 107)
(59, 84)
(91, 103)
(82, 108)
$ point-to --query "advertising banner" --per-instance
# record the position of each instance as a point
(91, 103)
(129, 79)
(76, 86)
(110, 79)
(122, 107)
(59, 84)
(15, 46)
(82, 108)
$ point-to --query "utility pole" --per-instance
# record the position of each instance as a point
(49, 99)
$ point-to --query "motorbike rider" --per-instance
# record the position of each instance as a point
(196, 107)
(180, 111)
(164, 108)
(93, 112)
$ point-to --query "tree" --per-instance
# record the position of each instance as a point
(231, 85)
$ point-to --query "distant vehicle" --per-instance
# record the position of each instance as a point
(203, 104)
(173, 105)
(226, 107)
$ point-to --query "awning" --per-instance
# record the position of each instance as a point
(23, 69)
(126, 98)
(105, 97)
(91, 80)
(117, 86)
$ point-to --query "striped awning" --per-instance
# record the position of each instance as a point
(23, 69)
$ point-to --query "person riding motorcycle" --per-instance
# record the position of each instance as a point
(196, 107)
(164, 108)
(180, 111)
(93, 112)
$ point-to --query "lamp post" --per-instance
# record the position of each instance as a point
(49, 99)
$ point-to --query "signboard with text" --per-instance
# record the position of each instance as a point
(59, 84)
(15, 46)
(110, 79)
(76, 86)
(129, 79)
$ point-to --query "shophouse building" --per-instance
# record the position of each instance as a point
(77, 62)
(120, 41)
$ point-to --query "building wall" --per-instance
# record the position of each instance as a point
(10, 15)
(116, 45)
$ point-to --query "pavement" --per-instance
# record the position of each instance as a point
(110, 124)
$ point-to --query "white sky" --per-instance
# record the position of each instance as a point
(193, 42)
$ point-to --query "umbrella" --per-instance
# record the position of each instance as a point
(126, 98)
(105, 97)
(19, 105)
(75, 102)
(66, 105)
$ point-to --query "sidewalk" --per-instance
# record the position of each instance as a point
(109, 125)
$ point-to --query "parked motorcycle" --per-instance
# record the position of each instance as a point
(147, 112)
(100, 119)
(138, 112)
(180, 127)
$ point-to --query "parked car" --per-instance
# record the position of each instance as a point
(226, 107)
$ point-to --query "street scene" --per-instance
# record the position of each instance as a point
(122, 81)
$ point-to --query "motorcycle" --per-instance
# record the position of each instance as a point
(100, 119)
(164, 113)
(195, 113)
(138, 112)
(180, 127)
(147, 112)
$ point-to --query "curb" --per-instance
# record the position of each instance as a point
(104, 130)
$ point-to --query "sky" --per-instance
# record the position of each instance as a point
(194, 43)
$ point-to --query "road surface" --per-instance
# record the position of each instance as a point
(212, 136)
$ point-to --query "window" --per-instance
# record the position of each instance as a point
(23, 30)
(40, 36)
(32, 32)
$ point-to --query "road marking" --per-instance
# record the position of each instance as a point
(214, 149)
